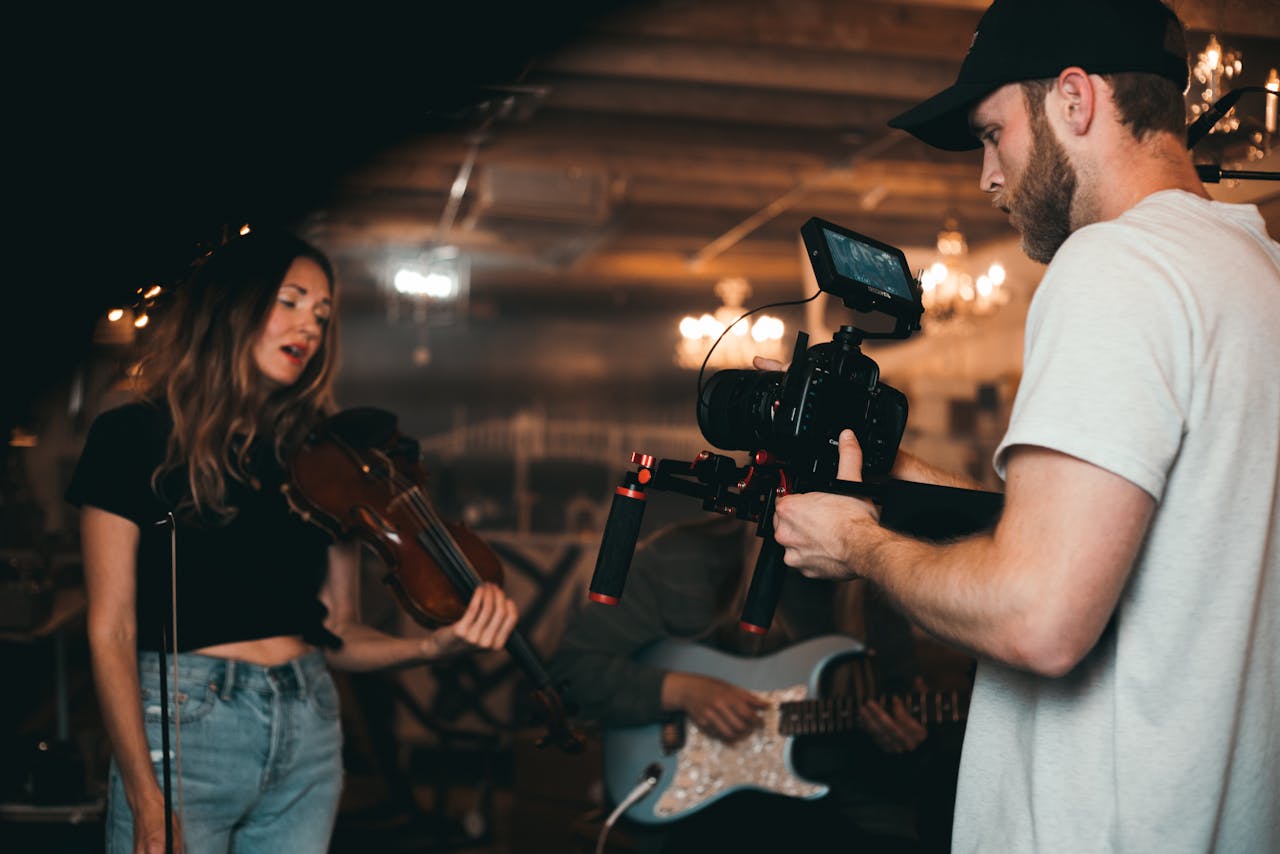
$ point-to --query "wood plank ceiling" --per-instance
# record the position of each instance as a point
(675, 142)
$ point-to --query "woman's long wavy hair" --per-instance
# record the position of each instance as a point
(199, 365)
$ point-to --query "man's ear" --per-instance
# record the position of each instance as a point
(1075, 97)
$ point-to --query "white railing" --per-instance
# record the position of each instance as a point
(533, 436)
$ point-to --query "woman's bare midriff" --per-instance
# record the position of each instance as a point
(267, 652)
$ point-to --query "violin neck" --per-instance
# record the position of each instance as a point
(440, 545)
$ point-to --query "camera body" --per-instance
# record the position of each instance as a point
(795, 417)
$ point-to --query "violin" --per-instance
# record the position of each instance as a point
(356, 476)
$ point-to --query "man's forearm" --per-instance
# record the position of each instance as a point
(907, 466)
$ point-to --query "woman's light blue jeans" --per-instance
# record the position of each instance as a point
(261, 755)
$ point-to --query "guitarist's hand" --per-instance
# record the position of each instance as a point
(893, 730)
(721, 710)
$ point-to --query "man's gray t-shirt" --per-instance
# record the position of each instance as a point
(1152, 351)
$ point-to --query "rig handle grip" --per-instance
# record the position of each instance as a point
(766, 587)
(618, 544)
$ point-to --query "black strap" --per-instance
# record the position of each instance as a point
(1201, 126)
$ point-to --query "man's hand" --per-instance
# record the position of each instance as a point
(760, 363)
(823, 533)
(720, 709)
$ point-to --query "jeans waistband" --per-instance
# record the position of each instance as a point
(226, 675)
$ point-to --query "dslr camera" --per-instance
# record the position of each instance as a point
(789, 422)
(796, 416)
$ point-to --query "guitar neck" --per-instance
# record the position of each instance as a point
(840, 714)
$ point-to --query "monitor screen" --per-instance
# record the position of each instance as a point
(867, 264)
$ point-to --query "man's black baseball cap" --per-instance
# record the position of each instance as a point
(1035, 39)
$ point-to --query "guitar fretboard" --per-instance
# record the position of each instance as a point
(840, 714)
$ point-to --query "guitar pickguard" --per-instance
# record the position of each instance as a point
(703, 769)
(707, 767)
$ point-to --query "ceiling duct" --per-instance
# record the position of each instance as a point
(572, 195)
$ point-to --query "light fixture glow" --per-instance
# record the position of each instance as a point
(745, 337)
(949, 292)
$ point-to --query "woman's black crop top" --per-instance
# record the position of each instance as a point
(256, 576)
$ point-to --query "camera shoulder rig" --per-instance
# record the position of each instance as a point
(748, 492)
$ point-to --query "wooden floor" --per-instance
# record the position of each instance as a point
(521, 800)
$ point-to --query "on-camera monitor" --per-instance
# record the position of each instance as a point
(868, 264)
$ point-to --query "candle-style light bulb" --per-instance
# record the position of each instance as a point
(1273, 85)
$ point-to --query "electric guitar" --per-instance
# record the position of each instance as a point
(697, 769)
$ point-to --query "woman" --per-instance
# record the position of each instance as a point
(189, 544)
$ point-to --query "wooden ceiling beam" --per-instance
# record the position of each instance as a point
(736, 104)
(625, 146)
(930, 29)
(766, 67)
(863, 26)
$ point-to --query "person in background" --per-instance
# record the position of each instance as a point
(190, 549)
(1125, 610)
(688, 581)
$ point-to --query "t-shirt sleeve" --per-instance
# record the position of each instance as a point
(1106, 369)
(123, 448)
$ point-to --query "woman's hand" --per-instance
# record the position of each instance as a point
(148, 830)
(486, 624)
(720, 709)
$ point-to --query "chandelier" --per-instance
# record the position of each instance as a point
(1234, 138)
(950, 292)
(746, 337)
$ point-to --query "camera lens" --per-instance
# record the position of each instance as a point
(735, 409)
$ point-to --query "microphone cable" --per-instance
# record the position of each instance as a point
(652, 773)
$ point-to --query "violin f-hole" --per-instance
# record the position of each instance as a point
(375, 521)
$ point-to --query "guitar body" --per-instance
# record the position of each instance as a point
(701, 770)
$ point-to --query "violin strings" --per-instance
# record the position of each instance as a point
(448, 554)
(447, 551)
(454, 563)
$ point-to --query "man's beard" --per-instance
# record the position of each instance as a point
(1040, 203)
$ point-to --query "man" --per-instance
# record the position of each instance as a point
(1126, 607)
